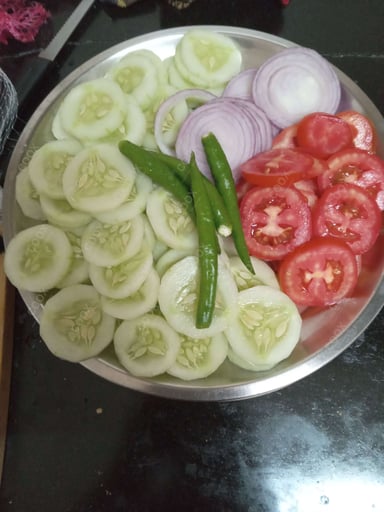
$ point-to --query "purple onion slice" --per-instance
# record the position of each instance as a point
(294, 83)
(165, 109)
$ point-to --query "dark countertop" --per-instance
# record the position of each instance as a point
(77, 443)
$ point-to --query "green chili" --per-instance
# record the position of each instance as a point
(208, 255)
(159, 172)
(222, 173)
(183, 171)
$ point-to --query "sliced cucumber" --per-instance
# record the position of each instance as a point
(179, 82)
(264, 275)
(121, 281)
(73, 324)
(167, 130)
(170, 220)
(110, 244)
(57, 127)
(98, 179)
(135, 123)
(37, 258)
(198, 358)
(27, 197)
(178, 296)
(93, 110)
(137, 75)
(133, 127)
(137, 304)
(133, 205)
(267, 327)
(169, 258)
(246, 365)
(146, 346)
(60, 213)
(78, 270)
(47, 166)
(207, 58)
(158, 248)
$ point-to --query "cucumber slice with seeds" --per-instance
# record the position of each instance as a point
(120, 281)
(246, 365)
(47, 166)
(267, 327)
(73, 324)
(170, 220)
(264, 275)
(169, 258)
(137, 304)
(60, 213)
(198, 358)
(98, 179)
(146, 346)
(93, 110)
(133, 127)
(37, 258)
(178, 296)
(78, 270)
(110, 244)
(138, 76)
(27, 197)
(207, 58)
(133, 205)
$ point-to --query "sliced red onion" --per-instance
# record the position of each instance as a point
(261, 125)
(240, 127)
(294, 83)
(240, 86)
(165, 108)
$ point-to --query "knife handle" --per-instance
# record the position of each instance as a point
(32, 77)
(7, 298)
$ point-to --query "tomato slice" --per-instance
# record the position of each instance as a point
(242, 187)
(280, 166)
(323, 134)
(358, 167)
(365, 135)
(286, 138)
(347, 212)
(321, 272)
(275, 220)
(309, 189)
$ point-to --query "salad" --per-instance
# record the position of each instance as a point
(185, 211)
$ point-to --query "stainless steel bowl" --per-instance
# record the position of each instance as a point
(326, 332)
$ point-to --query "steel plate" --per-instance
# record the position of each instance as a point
(326, 332)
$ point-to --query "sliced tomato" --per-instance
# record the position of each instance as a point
(364, 132)
(280, 166)
(242, 187)
(348, 213)
(275, 220)
(309, 189)
(358, 167)
(323, 134)
(286, 138)
(320, 272)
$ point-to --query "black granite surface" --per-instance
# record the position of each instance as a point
(77, 443)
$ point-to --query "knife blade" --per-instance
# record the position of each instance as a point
(40, 66)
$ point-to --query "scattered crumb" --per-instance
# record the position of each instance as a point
(99, 410)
